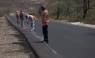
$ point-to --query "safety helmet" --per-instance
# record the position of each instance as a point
(43, 7)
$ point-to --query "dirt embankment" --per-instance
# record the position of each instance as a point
(13, 5)
(12, 43)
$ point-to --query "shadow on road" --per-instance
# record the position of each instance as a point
(37, 42)
(90, 34)
(22, 41)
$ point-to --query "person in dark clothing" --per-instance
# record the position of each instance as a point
(45, 22)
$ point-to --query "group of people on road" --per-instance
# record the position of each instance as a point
(31, 21)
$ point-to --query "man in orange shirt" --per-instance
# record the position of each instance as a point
(45, 22)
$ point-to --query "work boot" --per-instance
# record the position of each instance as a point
(43, 41)
(47, 41)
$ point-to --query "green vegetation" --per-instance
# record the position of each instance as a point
(1, 14)
(72, 10)
(4, 12)
(34, 12)
(90, 19)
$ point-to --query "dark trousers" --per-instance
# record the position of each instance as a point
(45, 32)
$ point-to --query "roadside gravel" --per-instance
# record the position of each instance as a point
(12, 43)
(75, 23)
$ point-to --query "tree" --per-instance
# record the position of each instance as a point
(70, 6)
(67, 6)
(59, 10)
(85, 7)
(78, 5)
(57, 6)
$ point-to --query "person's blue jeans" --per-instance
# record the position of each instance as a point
(45, 32)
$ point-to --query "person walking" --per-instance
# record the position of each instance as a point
(45, 22)
(22, 18)
(31, 21)
(17, 16)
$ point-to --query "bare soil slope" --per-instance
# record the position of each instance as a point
(12, 43)
(18, 4)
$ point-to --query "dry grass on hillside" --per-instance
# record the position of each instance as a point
(18, 4)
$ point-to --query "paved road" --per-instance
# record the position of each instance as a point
(69, 41)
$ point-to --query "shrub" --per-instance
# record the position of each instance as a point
(2, 13)
(76, 18)
(90, 19)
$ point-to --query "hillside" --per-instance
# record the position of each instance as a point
(73, 10)
(18, 4)
(13, 5)
(70, 10)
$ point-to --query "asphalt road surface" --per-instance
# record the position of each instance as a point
(69, 41)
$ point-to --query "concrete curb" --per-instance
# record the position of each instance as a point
(41, 49)
(22, 34)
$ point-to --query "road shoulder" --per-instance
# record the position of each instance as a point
(12, 43)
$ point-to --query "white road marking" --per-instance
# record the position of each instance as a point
(41, 38)
(54, 51)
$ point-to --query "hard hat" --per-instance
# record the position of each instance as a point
(43, 7)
